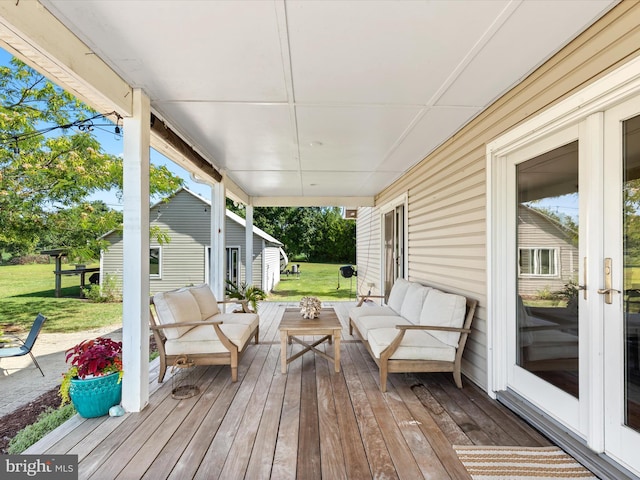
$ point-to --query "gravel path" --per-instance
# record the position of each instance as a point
(20, 380)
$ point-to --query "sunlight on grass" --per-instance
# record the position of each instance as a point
(26, 290)
(316, 279)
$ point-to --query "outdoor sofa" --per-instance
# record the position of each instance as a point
(420, 329)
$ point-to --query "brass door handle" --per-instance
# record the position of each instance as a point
(607, 291)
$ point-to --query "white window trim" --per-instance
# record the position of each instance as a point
(555, 274)
(586, 106)
(157, 276)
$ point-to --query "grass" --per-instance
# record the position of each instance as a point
(26, 290)
(318, 280)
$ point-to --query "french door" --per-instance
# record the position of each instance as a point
(394, 246)
(621, 283)
(573, 341)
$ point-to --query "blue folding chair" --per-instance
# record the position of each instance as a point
(27, 345)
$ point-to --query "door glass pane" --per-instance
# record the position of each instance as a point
(631, 222)
(548, 262)
(389, 274)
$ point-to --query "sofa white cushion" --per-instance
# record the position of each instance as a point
(442, 309)
(364, 324)
(416, 345)
(396, 296)
(552, 345)
(373, 311)
(412, 303)
(176, 307)
(206, 300)
(203, 340)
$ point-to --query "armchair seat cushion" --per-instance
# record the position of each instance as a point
(415, 345)
(203, 340)
(251, 320)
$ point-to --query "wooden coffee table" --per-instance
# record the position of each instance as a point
(327, 324)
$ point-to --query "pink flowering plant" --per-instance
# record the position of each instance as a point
(91, 358)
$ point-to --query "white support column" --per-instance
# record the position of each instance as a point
(248, 249)
(135, 269)
(218, 252)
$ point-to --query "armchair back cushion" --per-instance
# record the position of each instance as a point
(176, 307)
(413, 301)
(444, 310)
(397, 294)
(206, 301)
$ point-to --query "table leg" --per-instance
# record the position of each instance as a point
(336, 350)
(283, 351)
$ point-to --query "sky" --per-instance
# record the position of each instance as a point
(113, 144)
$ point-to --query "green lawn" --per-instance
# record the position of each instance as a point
(26, 290)
(316, 279)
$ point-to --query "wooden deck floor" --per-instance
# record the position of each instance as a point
(311, 423)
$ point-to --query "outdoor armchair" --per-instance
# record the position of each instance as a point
(26, 345)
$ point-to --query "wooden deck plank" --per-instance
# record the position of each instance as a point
(331, 448)
(380, 462)
(154, 444)
(285, 459)
(309, 465)
(263, 452)
(240, 452)
(165, 460)
(436, 437)
(218, 450)
(308, 423)
(425, 457)
(404, 461)
(201, 439)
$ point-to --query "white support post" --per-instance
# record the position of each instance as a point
(218, 216)
(248, 249)
(135, 269)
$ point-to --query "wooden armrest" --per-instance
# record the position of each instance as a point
(429, 327)
(244, 303)
(185, 324)
(363, 298)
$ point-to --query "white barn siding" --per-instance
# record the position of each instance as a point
(447, 191)
(272, 268)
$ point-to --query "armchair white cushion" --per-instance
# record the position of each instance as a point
(176, 307)
(206, 300)
(444, 310)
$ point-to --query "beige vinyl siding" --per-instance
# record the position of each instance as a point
(447, 190)
(368, 250)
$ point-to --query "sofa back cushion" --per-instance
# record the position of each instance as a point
(413, 301)
(176, 307)
(396, 296)
(206, 301)
(442, 309)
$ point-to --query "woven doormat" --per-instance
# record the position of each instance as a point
(520, 463)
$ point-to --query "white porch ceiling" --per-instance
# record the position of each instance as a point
(322, 99)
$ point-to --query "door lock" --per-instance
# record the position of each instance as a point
(608, 290)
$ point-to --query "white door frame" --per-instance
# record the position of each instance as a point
(386, 208)
(582, 108)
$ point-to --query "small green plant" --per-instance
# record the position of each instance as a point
(546, 294)
(107, 292)
(243, 291)
(47, 421)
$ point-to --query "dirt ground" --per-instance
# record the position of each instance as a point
(26, 415)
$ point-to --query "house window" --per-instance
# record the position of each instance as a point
(538, 262)
(154, 262)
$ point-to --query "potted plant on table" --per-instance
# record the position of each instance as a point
(93, 382)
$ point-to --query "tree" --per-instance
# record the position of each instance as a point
(46, 176)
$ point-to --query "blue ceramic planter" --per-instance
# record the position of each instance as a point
(93, 397)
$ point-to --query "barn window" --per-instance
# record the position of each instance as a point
(154, 262)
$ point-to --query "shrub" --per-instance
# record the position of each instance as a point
(47, 421)
(107, 292)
